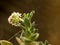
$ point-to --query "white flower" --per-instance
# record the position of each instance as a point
(15, 19)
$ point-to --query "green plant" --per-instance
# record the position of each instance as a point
(28, 33)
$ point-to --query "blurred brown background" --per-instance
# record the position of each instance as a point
(47, 18)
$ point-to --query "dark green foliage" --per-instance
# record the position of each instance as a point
(29, 33)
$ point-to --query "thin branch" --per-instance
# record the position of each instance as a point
(14, 35)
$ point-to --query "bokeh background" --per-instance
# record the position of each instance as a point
(47, 18)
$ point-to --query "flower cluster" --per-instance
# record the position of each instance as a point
(15, 19)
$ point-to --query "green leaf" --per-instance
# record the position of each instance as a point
(25, 33)
(28, 15)
(46, 42)
(20, 41)
(26, 23)
(25, 16)
(26, 39)
(32, 27)
(34, 36)
(31, 15)
(4, 42)
(41, 43)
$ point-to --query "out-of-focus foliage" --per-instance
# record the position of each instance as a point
(4, 42)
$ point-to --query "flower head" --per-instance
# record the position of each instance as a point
(15, 19)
